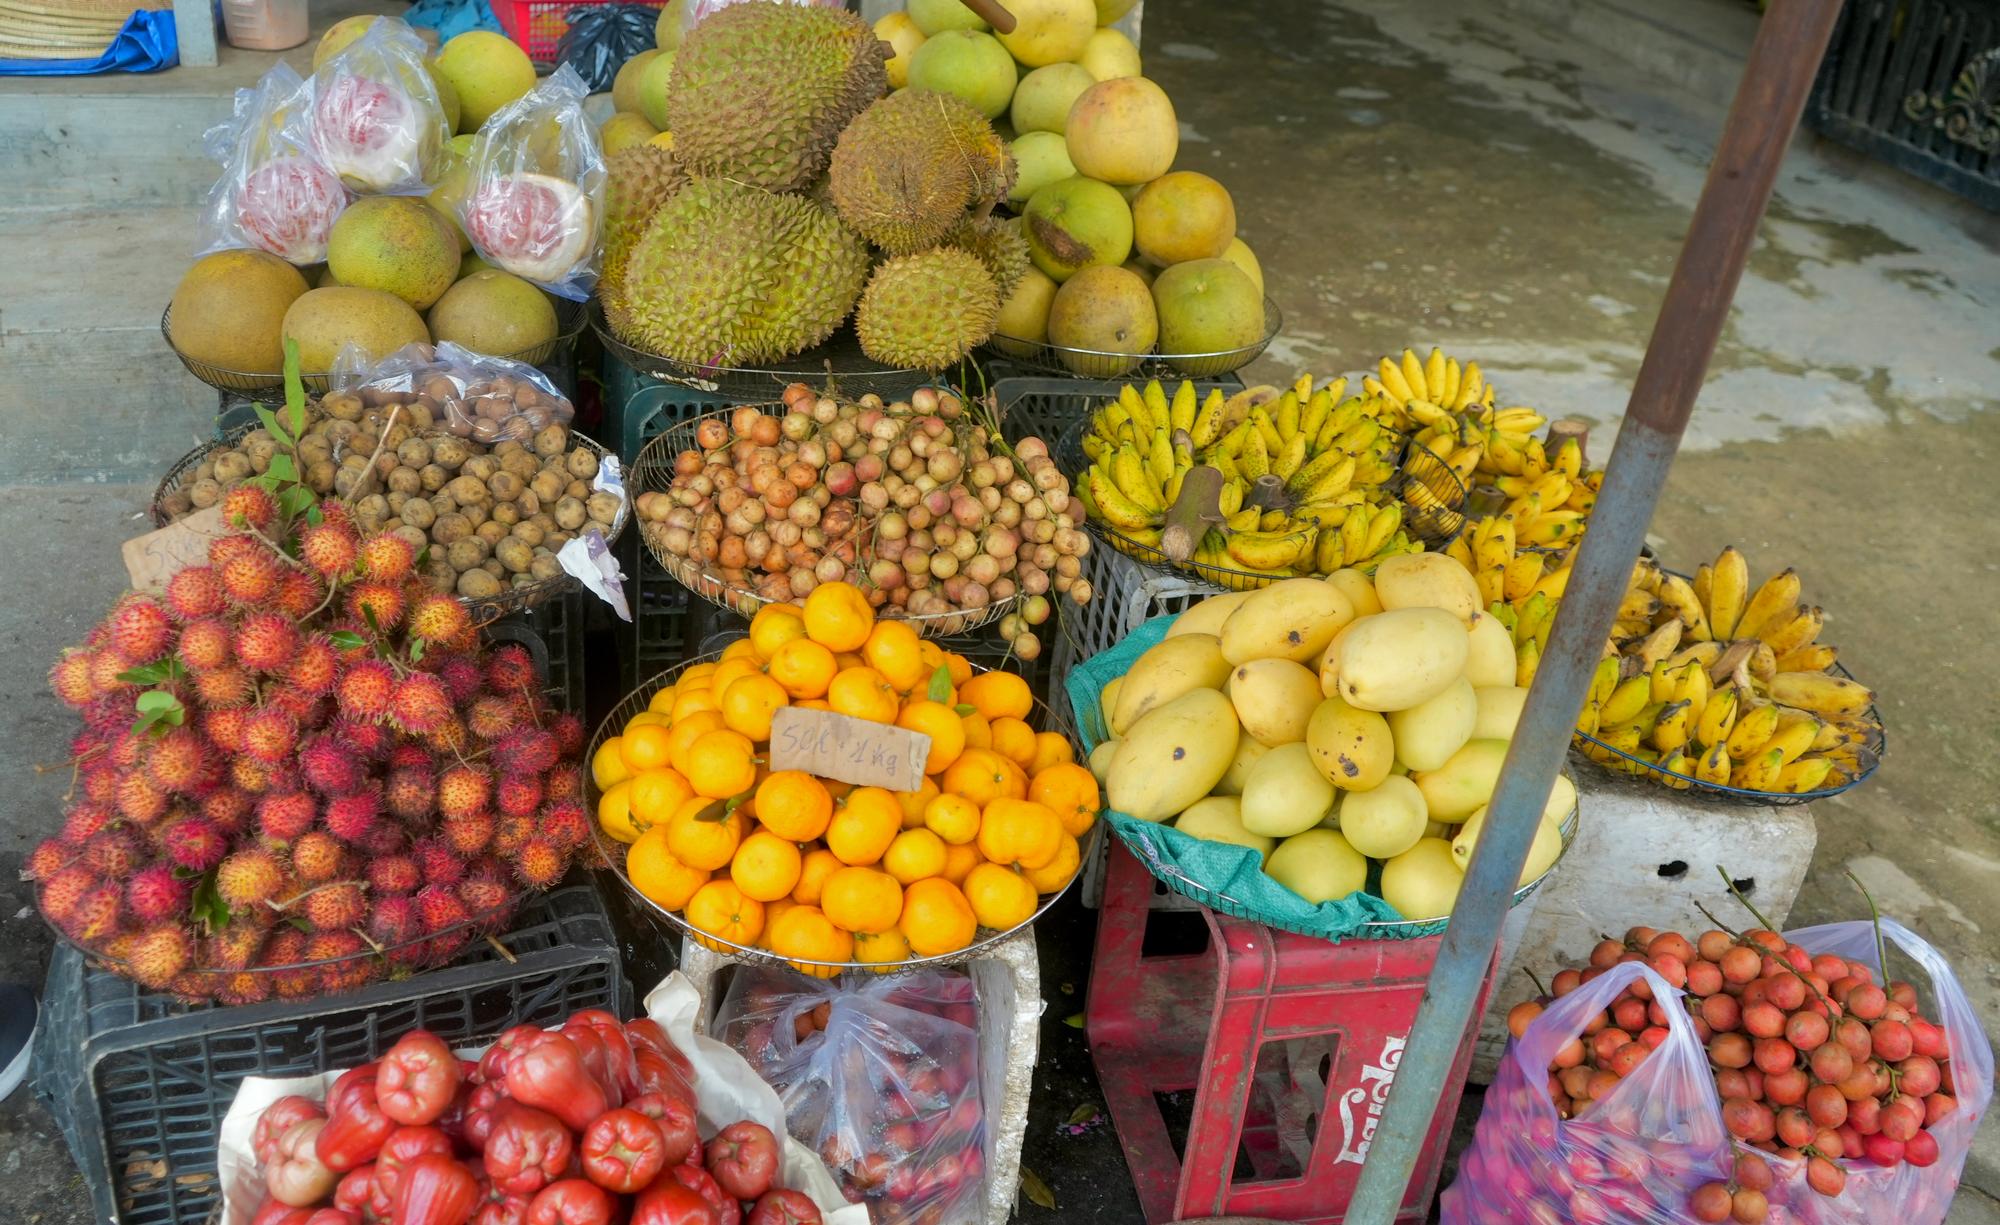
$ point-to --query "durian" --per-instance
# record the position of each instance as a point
(761, 90)
(638, 181)
(927, 311)
(905, 171)
(824, 269)
(999, 244)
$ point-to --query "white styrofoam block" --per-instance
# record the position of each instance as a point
(1645, 855)
(1007, 983)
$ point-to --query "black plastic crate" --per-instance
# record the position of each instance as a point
(139, 1083)
(1916, 83)
(553, 633)
(663, 612)
(1049, 407)
(641, 408)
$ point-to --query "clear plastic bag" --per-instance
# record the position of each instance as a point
(879, 1076)
(1647, 1145)
(376, 118)
(466, 394)
(534, 193)
(274, 194)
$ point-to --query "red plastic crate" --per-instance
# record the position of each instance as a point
(1286, 1045)
(538, 25)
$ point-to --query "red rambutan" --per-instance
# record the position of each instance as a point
(565, 782)
(365, 688)
(468, 833)
(410, 794)
(392, 875)
(85, 817)
(299, 594)
(242, 987)
(387, 838)
(251, 775)
(106, 665)
(249, 878)
(266, 642)
(518, 795)
(308, 709)
(196, 843)
(487, 898)
(330, 767)
(271, 735)
(51, 855)
(529, 750)
(392, 923)
(127, 751)
(438, 907)
(284, 816)
(249, 506)
(283, 949)
(387, 558)
(224, 728)
(114, 853)
(510, 669)
(328, 548)
(235, 947)
(178, 760)
(438, 862)
(99, 784)
(159, 954)
(493, 715)
(64, 889)
(139, 800)
(205, 644)
(441, 619)
(462, 676)
(449, 738)
(317, 857)
(420, 704)
(70, 679)
(335, 906)
(512, 833)
(96, 914)
(141, 631)
(565, 825)
(351, 817)
(224, 688)
(250, 576)
(369, 741)
(108, 716)
(154, 893)
(314, 668)
(376, 604)
(193, 593)
(463, 789)
(569, 733)
(539, 864)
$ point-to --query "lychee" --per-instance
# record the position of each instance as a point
(249, 506)
(250, 576)
(420, 704)
(378, 605)
(335, 906)
(84, 818)
(70, 679)
(463, 789)
(392, 875)
(518, 795)
(370, 741)
(64, 889)
(154, 893)
(510, 834)
(96, 914)
(224, 688)
(539, 864)
(266, 642)
(315, 666)
(365, 688)
(235, 947)
(193, 593)
(441, 619)
(387, 558)
(438, 862)
(283, 817)
(249, 878)
(159, 955)
(569, 733)
(511, 669)
(565, 825)
(410, 794)
(328, 548)
(351, 817)
(392, 923)
(461, 675)
(299, 594)
(271, 735)
(51, 855)
(139, 800)
(468, 833)
(529, 750)
(317, 856)
(177, 761)
(141, 631)
(196, 843)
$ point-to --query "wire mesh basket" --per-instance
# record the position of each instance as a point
(1042, 718)
(1067, 361)
(839, 359)
(653, 472)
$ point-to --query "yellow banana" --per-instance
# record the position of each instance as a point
(1625, 737)
(1470, 388)
(1207, 425)
(1313, 417)
(1353, 534)
(1244, 519)
(1461, 552)
(1382, 524)
(1553, 583)
(1268, 550)
(1261, 421)
(1821, 693)
(1591, 717)
(1413, 374)
(1112, 505)
(1637, 605)
(1129, 473)
(1333, 483)
(1627, 700)
(1704, 653)
(1518, 419)
(1255, 460)
(1718, 716)
(1657, 646)
(1759, 773)
(1285, 417)
(1160, 459)
(1521, 575)
(1729, 586)
(1290, 459)
(1134, 406)
(1791, 740)
(1678, 594)
(1676, 769)
(1691, 685)
(1806, 774)
(1155, 397)
(1231, 498)
(1753, 727)
(1568, 458)
(1661, 678)
(1786, 636)
(1434, 376)
(1777, 596)
(1702, 582)
(1526, 660)
(1604, 682)
(1815, 657)
(1554, 527)
(1181, 412)
(1714, 765)
(1393, 381)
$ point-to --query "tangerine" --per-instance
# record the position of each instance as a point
(959, 860)
(862, 899)
(864, 825)
(952, 818)
(978, 732)
(701, 838)
(749, 704)
(614, 812)
(1069, 791)
(980, 775)
(643, 747)
(881, 948)
(803, 667)
(607, 767)
(656, 873)
(941, 724)
(915, 854)
(863, 693)
(1014, 740)
(894, 650)
(656, 794)
(1050, 879)
(1019, 831)
(719, 764)
(1051, 749)
(686, 732)
(794, 805)
(805, 933)
(774, 626)
(655, 717)
(1001, 898)
(914, 803)
(742, 648)
(662, 701)
(838, 617)
(727, 673)
(765, 866)
(936, 918)
(958, 666)
(720, 909)
(692, 700)
(813, 872)
(998, 695)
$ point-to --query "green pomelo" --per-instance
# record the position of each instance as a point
(495, 313)
(323, 321)
(623, 130)
(1049, 31)
(625, 86)
(1043, 98)
(651, 88)
(398, 244)
(967, 63)
(1023, 321)
(934, 17)
(1183, 215)
(1108, 311)
(1040, 158)
(1076, 223)
(487, 70)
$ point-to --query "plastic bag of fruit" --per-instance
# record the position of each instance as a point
(274, 194)
(534, 194)
(376, 118)
(470, 395)
(880, 1076)
(1657, 1142)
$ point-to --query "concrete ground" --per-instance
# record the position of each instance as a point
(1503, 180)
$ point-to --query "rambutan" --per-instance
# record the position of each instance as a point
(196, 843)
(299, 594)
(249, 774)
(351, 817)
(387, 838)
(510, 669)
(392, 923)
(441, 619)
(249, 878)
(328, 548)
(335, 906)
(51, 855)
(569, 733)
(463, 789)
(449, 738)
(486, 897)
(518, 795)
(114, 853)
(407, 756)
(330, 767)
(235, 947)
(224, 728)
(229, 808)
(565, 782)
(410, 794)
(529, 750)
(99, 784)
(283, 949)
(462, 676)
(84, 818)
(283, 817)
(64, 889)
(266, 642)
(159, 955)
(224, 549)
(365, 688)
(242, 987)
(127, 750)
(309, 710)
(193, 593)
(387, 558)
(377, 604)
(420, 704)
(392, 875)
(271, 735)
(139, 800)
(510, 834)
(154, 893)
(468, 833)
(438, 907)
(493, 715)
(141, 631)
(250, 576)
(108, 715)
(224, 688)
(177, 760)
(249, 506)
(70, 679)
(96, 914)
(438, 862)
(314, 668)
(565, 825)
(539, 864)
(317, 856)
(369, 741)
(106, 666)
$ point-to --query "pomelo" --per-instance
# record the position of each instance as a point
(1123, 131)
(1240, 254)
(487, 70)
(1076, 223)
(1023, 321)
(338, 36)
(1049, 31)
(398, 244)
(1040, 158)
(625, 86)
(1043, 98)
(1183, 215)
(1208, 306)
(900, 31)
(1108, 311)
(623, 130)
(652, 89)
(1109, 54)
(228, 309)
(323, 321)
(494, 312)
(967, 63)
(934, 17)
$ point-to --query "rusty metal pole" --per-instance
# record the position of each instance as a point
(1790, 43)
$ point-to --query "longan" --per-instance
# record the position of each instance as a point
(232, 466)
(505, 486)
(434, 477)
(551, 440)
(342, 405)
(450, 453)
(375, 506)
(418, 541)
(418, 512)
(477, 584)
(469, 490)
(582, 462)
(320, 474)
(405, 481)
(205, 493)
(506, 514)
(477, 513)
(414, 453)
(529, 532)
(522, 464)
(481, 466)
(466, 553)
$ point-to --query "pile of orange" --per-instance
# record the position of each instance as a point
(817, 870)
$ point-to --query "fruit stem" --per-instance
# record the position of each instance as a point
(1745, 902)
(1540, 989)
(1875, 917)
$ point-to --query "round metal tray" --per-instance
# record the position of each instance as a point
(1067, 362)
(839, 359)
(1042, 718)
(653, 472)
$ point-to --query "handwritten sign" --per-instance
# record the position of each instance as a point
(152, 559)
(857, 751)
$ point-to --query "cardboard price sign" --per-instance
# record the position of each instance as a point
(152, 559)
(858, 751)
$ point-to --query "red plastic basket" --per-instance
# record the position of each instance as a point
(538, 25)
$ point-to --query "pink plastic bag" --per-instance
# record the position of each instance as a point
(1643, 1150)
(275, 194)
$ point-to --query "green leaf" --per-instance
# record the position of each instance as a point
(1083, 1114)
(298, 500)
(157, 701)
(295, 387)
(717, 811)
(940, 688)
(282, 469)
(416, 650)
(148, 674)
(424, 558)
(271, 425)
(964, 708)
(314, 515)
(1036, 1190)
(347, 640)
(209, 908)
(368, 615)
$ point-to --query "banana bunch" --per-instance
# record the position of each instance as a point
(1491, 549)
(1529, 620)
(1448, 410)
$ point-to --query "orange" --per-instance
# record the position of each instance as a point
(978, 732)
(773, 911)
(864, 693)
(864, 825)
(729, 671)
(933, 656)
(914, 803)
(940, 723)
(1014, 740)
(1069, 791)
(806, 933)
(936, 918)
(980, 775)
(706, 845)
(1051, 749)
(837, 789)
(607, 766)
(749, 704)
(1016, 787)
(657, 874)
(998, 695)
(813, 703)
(862, 899)
(881, 948)
(960, 860)
(1019, 831)
(720, 909)
(894, 650)
(692, 700)
(803, 667)
(658, 718)
(838, 616)
(685, 733)
(765, 866)
(614, 812)
(794, 804)
(959, 667)
(656, 794)
(849, 659)
(719, 765)
(819, 864)
(662, 701)
(1001, 898)
(774, 626)
(643, 748)
(742, 648)
(952, 818)
(698, 673)
(915, 854)
(1059, 869)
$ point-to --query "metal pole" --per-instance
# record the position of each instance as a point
(1789, 45)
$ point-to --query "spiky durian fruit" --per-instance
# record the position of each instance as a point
(824, 270)
(1000, 245)
(908, 167)
(638, 181)
(927, 311)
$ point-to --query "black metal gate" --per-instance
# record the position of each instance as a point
(1917, 84)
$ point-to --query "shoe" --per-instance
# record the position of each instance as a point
(18, 1015)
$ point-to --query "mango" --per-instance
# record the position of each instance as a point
(1359, 590)
(1329, 661)
(1401, 657)
(1463, 785)
(1219, 818)
(1384, 822)
(1291, 619)
(1428, 733)
(1499, 710)
(1173, 756)
(1353, 748)
(1489, 657)
(1249, 751)
(1168, 669)
(1274, 699)
(1423, 882)
(1318, 865)
(1207, 617)
(1285, 793)
(1427, 580)
(1542, 853)
(1100, 760)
